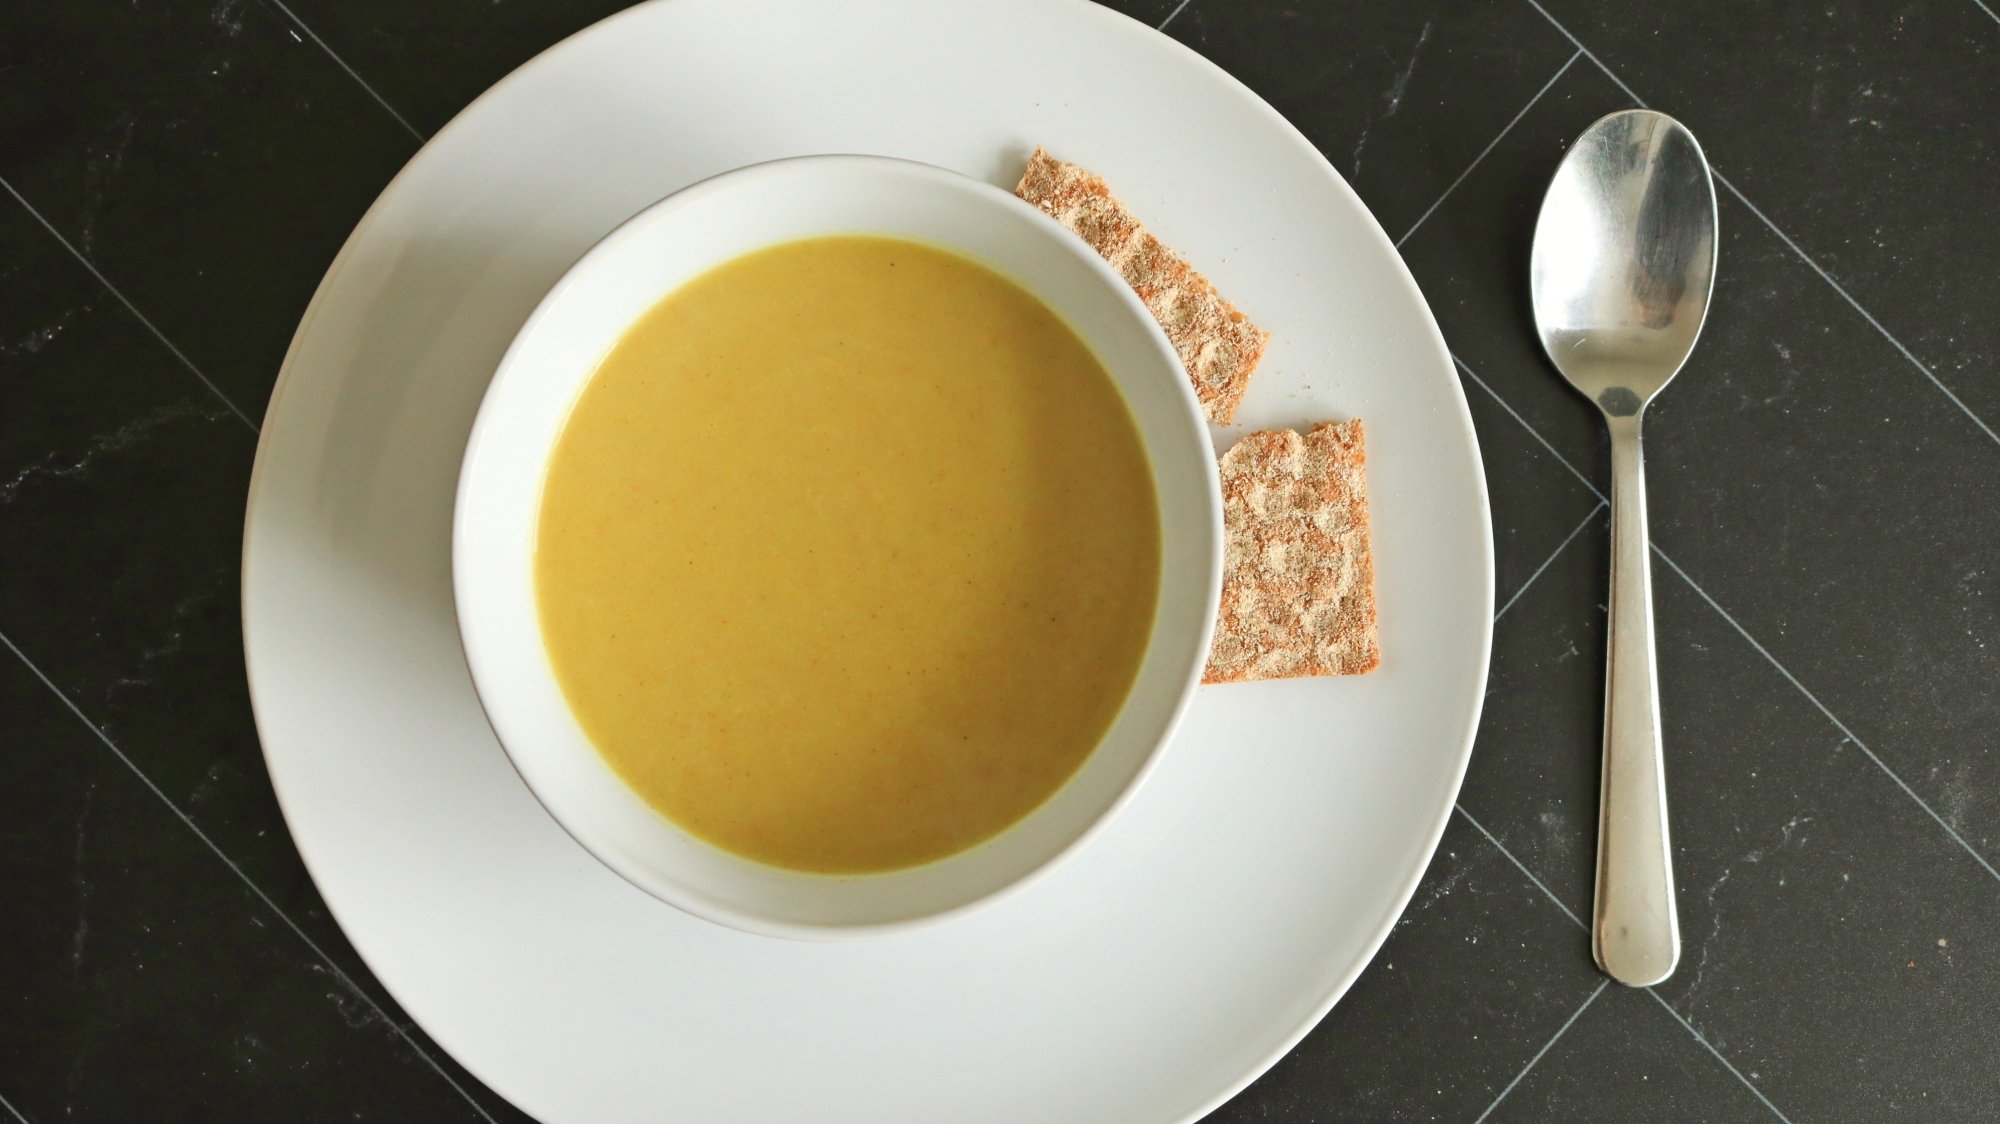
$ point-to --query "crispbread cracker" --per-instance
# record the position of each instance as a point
(1218, 345)
(1298, 585)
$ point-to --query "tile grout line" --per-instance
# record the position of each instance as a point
(1856, 305)
(1490, 145)
(1162, 25)
(1745, 633)
(129, 306)
(342, 63)
(1598, 62)
(1532, 431)
(1837, 723)
(243, 877)
(1560, 1031)
(9, 1105)
(1733, 1071)
(1652, 991)
(1520, 866)
(1921, 367)
(1588, 518)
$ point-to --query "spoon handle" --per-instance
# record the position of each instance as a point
(1635, 933)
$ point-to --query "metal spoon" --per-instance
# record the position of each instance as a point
(1623, 263)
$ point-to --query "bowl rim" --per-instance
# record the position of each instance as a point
(688, 898)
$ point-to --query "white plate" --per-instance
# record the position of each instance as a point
(1157, 972)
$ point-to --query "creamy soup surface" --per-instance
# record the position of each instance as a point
(847, 555)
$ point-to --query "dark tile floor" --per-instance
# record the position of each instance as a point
(1824, 478)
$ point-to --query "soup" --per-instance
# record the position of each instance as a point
(847, 555)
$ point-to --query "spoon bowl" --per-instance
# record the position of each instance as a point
(1624, 258)
(1623, 265)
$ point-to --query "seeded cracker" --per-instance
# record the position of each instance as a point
(1298, 583)
(1218, 345)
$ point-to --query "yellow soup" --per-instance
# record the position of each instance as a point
(848, 554)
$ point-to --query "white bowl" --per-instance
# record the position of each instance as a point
(499, 497)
